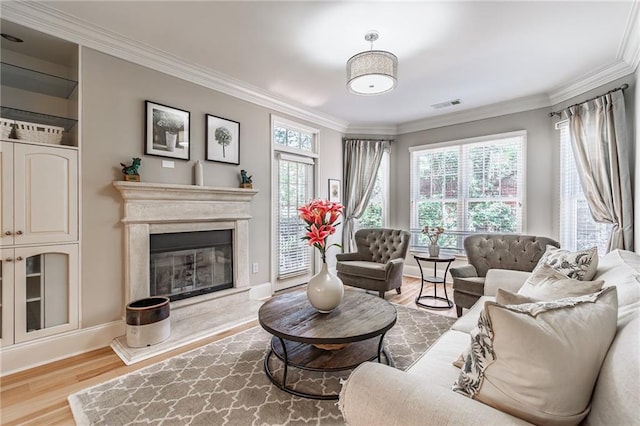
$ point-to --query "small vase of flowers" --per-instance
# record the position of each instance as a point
(433, 233)
(325, 290)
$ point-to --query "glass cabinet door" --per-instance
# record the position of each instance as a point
(46, 291)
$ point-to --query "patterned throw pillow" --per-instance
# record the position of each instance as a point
(579, 265)
(545, 283)
(540, 361)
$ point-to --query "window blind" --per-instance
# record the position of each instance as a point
(295, 180)
(578, 230)
(468, 186)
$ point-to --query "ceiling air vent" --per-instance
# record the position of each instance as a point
(447, 104)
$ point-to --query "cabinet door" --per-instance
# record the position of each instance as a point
(6, 296)
(6, 198)
(46, 291)
(45, 194)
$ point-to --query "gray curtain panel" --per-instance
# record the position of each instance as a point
(361, 160)
(600, 143)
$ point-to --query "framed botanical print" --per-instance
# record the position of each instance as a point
(167, 131)
(223, 140)
(335, 190)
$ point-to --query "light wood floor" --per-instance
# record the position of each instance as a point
(39, 396)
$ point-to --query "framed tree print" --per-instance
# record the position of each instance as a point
(167, 131)
(223, 140)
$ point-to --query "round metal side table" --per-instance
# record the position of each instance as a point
(435, 280)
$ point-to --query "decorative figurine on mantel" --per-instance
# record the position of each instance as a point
(245, 181)
(131, 172)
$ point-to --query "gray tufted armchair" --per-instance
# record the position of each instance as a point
(378, 263)
(493, 251)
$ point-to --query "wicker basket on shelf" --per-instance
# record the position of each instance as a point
(5, 127)
(39, 132)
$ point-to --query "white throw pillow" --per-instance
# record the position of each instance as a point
(540, 361)
(580, 265)
(546, 283)
(504, 297)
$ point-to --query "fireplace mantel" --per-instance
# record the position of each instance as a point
(163, 203)
(154, 208)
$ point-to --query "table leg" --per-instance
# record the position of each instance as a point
(421, 281)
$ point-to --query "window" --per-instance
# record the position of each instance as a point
(376, 213)
(578, 230)
(294, 148)
(467, 186)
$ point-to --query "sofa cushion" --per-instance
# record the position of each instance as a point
(621, 268)
(505, 279)
(540, 361)
(373, 270)
(546, 283)
(469, 321)
(615, 397)
(435, 363)
(580, 265)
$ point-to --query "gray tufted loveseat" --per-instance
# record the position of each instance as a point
(378, 263)
(494, 251)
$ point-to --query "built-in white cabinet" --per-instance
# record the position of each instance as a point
(39, 187)
(39, 291)
(39, 203)
(38, 215)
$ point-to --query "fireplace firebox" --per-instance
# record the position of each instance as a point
(187, 264)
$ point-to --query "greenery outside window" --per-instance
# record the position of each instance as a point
(376, 214)
(468, 186)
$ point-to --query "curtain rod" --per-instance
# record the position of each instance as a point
(559, 113)
(368, 139)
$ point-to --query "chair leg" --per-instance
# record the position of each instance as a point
(459, 311)
(399, 290)
(381, 294)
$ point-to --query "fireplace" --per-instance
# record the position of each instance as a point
(188, 264)
(209, 256)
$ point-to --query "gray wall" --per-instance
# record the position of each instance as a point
(542, 174)
(113, 93)
(539, 166)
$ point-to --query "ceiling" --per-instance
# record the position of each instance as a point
(483, 53)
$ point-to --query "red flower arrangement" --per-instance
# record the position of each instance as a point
(321, 217)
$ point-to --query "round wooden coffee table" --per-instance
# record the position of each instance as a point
(340, 340)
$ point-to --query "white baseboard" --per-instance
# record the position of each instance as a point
(260, 291)
(49, 349)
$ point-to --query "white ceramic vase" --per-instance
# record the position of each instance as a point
(434, 250)
(325, 290)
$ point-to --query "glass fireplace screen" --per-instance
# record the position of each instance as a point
(187, 264)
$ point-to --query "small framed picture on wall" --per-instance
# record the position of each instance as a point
(223, 140)
(167, 131)
(335, 191)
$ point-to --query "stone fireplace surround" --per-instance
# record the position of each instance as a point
(155, 208)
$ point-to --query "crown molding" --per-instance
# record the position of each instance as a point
(590, 81)
(489, 111)
(629, 49)
(372, 129)
(46, 19)
(36, 15)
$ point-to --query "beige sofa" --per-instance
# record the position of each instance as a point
(376, 394)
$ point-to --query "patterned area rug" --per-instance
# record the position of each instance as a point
(224, 383)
